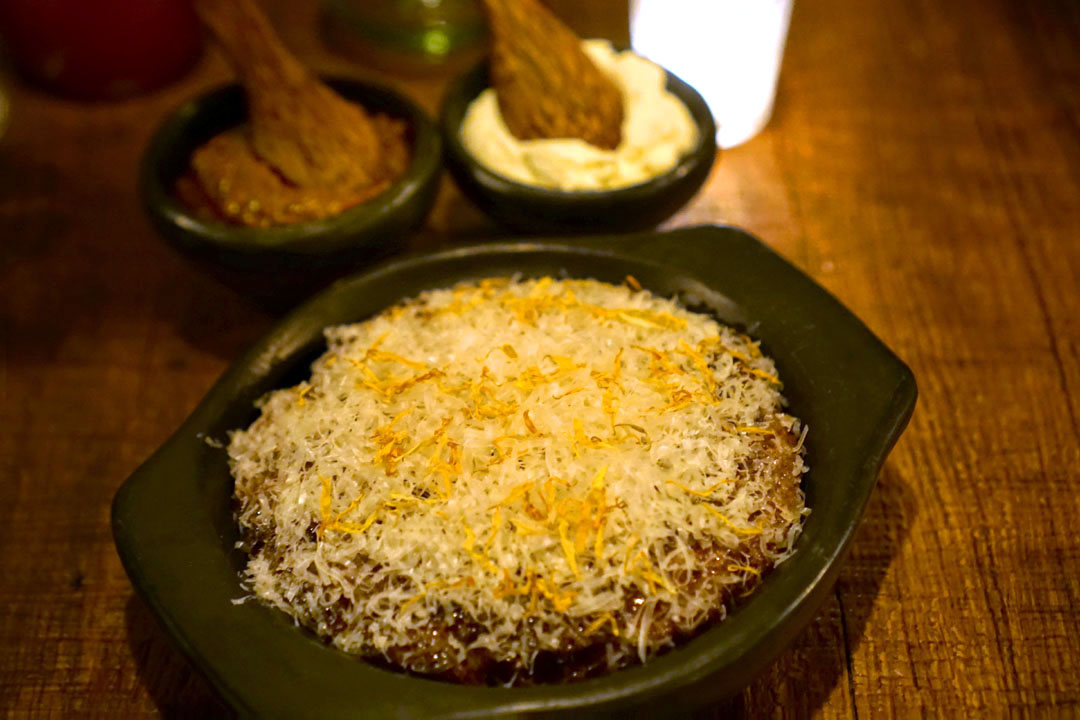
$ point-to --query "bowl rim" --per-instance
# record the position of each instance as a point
(458, 97)
(741, 648)
(313, 237)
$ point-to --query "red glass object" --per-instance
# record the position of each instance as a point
(100, 49)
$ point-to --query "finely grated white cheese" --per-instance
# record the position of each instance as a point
(493, 472)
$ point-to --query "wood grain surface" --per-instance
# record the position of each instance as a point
(923, 164)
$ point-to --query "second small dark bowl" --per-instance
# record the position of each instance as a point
(369, 230)
(532, 209)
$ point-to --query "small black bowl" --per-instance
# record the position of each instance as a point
(532, 209)
(369, 230)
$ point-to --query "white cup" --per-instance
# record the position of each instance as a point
(728, 50)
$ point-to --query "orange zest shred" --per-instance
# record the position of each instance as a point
(530, 424)
(523, 528)
(642, 438)
(653, 352)
(598, 480)
(610, 379)
(378, 342)
(733, 526)
(516, 492)
(446, 470)
(408, 603)
(598, 545)
(563, 363)
(470, 543)
(432, 439)
(390, 445)
(707, 492)
(679, 400)
(568, 548)
(654, 579)
(580, 438)
(348, 509)
(560, 601)
(716, 340)
(532, 511)
(301, 392)
(470, 538)
(702, 366)
(610, 406)
(599, 622)
(465, 580)
(743, 568)
(753, 345)
(400, 387)
(382, 356)
(496, 521)
(753, 430)
(325, 498)
(371, 380)
(353, 529)
(581, 536)
(504, 588)
(767, 376)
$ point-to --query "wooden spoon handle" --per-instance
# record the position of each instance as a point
(249, 42)
(298, 125)
(546, 85)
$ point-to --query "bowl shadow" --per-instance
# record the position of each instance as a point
(176, 688)
(809, 673)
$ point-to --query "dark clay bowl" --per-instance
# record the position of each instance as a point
(175, 532)
(361, 233)
(531, 209)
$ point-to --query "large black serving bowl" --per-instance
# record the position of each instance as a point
(369, 230)
(175, 532)
(532, 210)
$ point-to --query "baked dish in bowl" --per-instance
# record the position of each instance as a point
(176, 519)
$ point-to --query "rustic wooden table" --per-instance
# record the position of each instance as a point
(922, 164)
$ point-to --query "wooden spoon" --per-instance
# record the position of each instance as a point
(300, 127)
(546, 85)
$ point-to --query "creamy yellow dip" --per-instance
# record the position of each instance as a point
(657, 131)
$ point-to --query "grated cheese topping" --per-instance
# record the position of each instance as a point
(513, 468)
